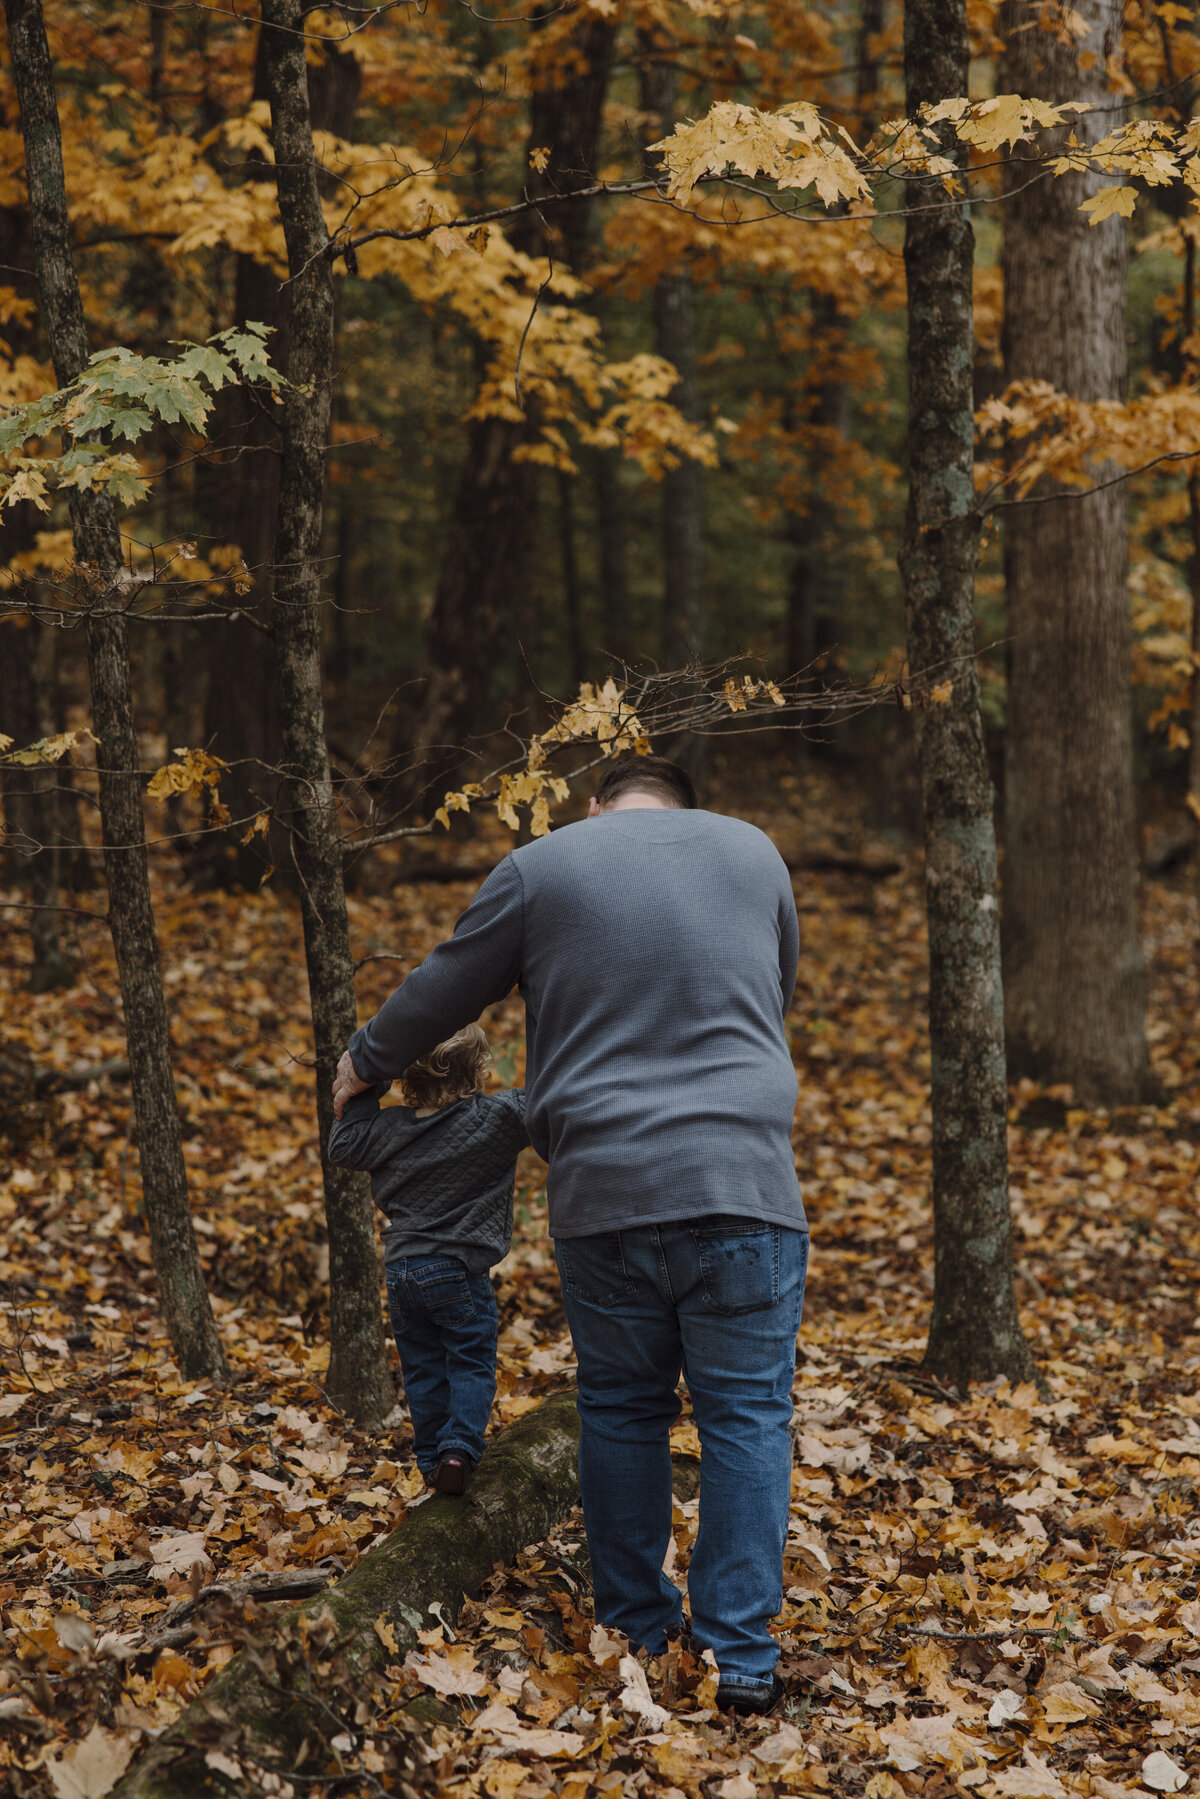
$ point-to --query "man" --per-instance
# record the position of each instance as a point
(655, 946)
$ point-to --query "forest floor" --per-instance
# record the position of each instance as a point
(998, 1594)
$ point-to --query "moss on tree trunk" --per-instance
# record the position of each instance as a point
(975, 1332)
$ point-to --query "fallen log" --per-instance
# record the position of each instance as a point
(263, 1709)
(60, 1080)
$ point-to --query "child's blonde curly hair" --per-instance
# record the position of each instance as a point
(454, 1070)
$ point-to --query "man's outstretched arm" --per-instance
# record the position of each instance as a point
(463, 976)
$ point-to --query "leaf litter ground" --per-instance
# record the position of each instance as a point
(997, 1594)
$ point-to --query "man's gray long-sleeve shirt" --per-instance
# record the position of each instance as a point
(656, 953)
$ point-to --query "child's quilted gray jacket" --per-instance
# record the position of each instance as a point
(444, 1183)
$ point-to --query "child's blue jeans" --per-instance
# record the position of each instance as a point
(446, 1324)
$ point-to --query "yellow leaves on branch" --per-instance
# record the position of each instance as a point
(600, 715)
(46, 749)
(738, 695)
(513, 303)
(642, 422)
(1031, 432)
(999, 123)
(196, 773)
(793, 147)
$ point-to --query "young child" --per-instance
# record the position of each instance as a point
(442, 1172)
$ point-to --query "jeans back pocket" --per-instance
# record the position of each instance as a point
(739, 1266)
(444, 1287)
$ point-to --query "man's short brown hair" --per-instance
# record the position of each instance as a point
(454, 1070)
(631, 773)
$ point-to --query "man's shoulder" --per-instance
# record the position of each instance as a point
(592, 834)
(728, 825)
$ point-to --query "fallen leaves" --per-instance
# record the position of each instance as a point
(635, 1695)
(453, 1674)
(997, 1594)
(179, 1554)
(92, 1767)
(1162, 1773)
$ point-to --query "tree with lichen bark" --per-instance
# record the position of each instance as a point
(182, 1292)
(975, 1332)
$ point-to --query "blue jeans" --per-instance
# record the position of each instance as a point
(445, 1323)
(718, 1299)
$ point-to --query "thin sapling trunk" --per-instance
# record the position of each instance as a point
(182, 1293)
(975, 1332)
(358, 1378)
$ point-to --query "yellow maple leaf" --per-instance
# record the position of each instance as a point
(28, 484)
(1002, 121)
(1109, 202)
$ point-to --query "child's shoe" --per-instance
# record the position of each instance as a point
(450, 1475)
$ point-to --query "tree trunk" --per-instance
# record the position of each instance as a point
(614, 567)
(1193, 792)
(974, 1332)
(131, 918)
(1192, 797)
(242, 707)
(683, 628)
(812, 591)
(481, 650)
(577, 659)
(1073, 970)
(31, 813)
(27, 675)
(524, 1485)
(358, 1378)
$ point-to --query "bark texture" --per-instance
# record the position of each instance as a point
(1074, 975)
(32, 815)
(484, 604)
(32, 829)
(974, 1332)
(241, 721)
(358, 1378)
(615, 639)
(813, 587)
(182, 1292)
(1193, 793)
(525, 1483)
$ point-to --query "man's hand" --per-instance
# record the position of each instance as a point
(346, 1084)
